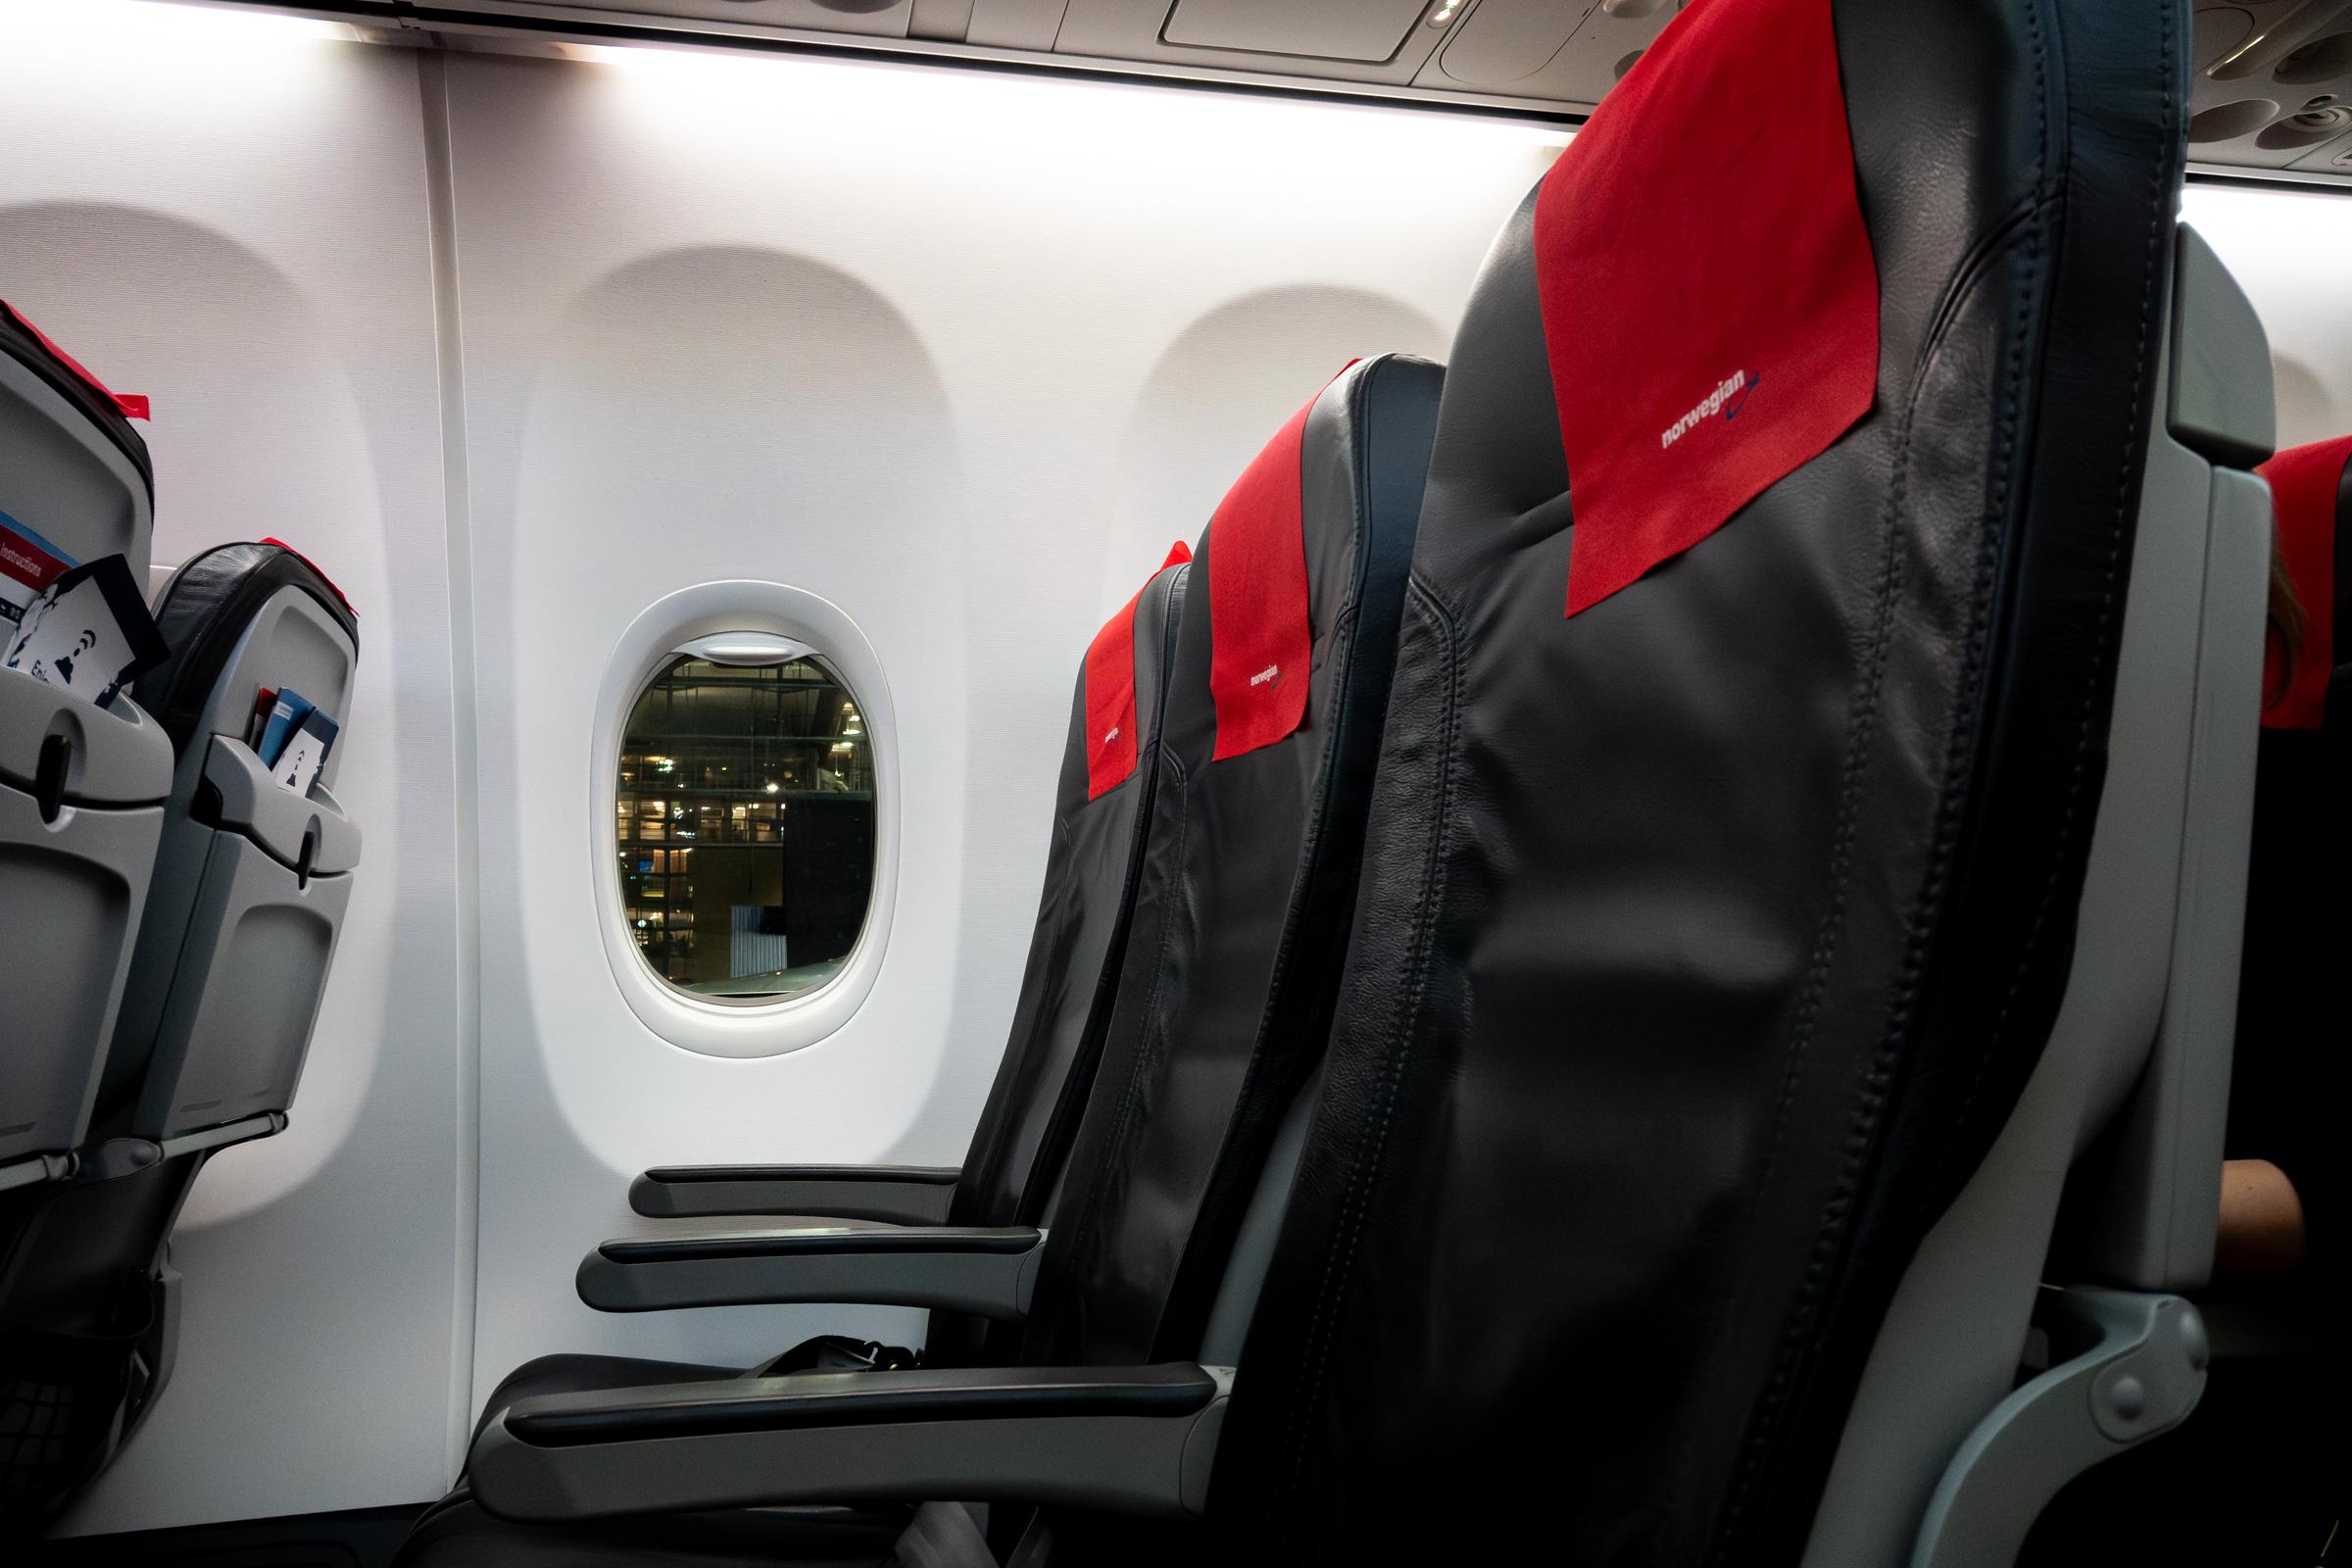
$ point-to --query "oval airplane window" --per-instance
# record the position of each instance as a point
(748, 837)
(743, 819)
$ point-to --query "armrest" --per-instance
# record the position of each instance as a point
(1138, 1440)
(988, 1272)
(895, 1194)
(2133, 1365)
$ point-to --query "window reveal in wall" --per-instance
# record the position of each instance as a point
(744, 835)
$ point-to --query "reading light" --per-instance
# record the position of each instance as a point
(1444, 11)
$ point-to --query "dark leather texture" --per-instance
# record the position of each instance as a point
(1094, 867)
(1248, 879)
(1092, 871)
(1708, 935)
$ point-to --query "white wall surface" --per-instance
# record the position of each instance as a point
(2291, 251)
(960, 352)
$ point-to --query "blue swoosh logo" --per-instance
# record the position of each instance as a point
(1733, 411)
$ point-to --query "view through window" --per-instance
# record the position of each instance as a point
(746, 826)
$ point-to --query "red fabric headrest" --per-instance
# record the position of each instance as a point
(133, 404)
(2304, 484)
(1261, 639)
(1710, 300)
(341, 597)
(1111, 748)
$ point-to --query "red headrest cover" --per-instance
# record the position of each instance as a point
(2304, 486)
(133, 404)
(1710, 300)
(1260, 638)
(1111, 692)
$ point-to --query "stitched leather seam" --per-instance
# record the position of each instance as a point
(1293, 915)
(1147, 1049)
(2107, 601)
(1768, 1419)
(1341, 661)
(1364, 1169)
(1065, 1120)
(1990, 245)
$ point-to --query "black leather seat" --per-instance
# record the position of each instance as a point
(1720, 927)
(1246, 887)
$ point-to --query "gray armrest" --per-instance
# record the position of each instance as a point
(895, 1194)
(1138, 1440)
(2132, 1365)
(988, 1272)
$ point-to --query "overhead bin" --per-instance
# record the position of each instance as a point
(1544, 49)
(1369, 30)
(874, 19)
(2271, 79)
(80, 786)
(1373, 42)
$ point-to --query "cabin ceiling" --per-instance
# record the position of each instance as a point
(2271, 93)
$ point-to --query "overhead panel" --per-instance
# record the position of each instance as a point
(1321, 29)
(1377, 42)
(1505, 42)
(1571, 51)
(872, 19)
(2273, 86)
(1014, 23)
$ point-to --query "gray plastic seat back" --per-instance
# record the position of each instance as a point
(1940, 1461)
(81, 787)
(252, 880)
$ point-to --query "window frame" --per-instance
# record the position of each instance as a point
(735, 1027)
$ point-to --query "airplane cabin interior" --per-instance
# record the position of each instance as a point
(1048, 783)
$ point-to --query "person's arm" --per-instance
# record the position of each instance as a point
(2262, 1219)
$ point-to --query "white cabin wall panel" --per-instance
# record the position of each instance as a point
(960, 353)
(2288, 250)
(224, 211)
